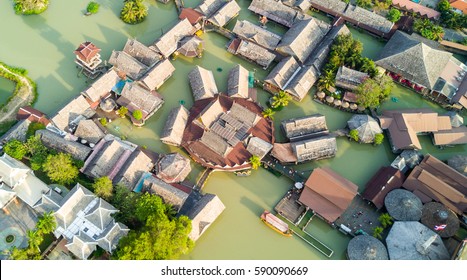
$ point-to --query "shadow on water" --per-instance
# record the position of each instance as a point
(251, 205)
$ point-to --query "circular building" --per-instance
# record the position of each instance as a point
(414, 241)
(439, 218)
(403, 205)
(366, 247)
(173, 168)
(366, 126)
(459, 163)
(218, 131)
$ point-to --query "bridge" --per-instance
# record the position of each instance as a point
(203, 178)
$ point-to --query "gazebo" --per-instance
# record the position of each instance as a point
(414, 241)
(456, 119)
(459, 163)
(439, 218)
(366, 247)
(366, 126)
(191, 46)
(403, 205)
(173, 168)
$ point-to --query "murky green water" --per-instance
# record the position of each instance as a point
(6, 89)
(44, 45)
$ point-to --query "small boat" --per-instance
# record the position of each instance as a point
(275, 223)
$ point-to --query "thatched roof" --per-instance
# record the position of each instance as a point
(170, 194)
(209, 7)
(255, 53)
(173, 168)
(414, 241)
(349, 79)
(281, 75)
(89, 131)
(315, 149)
(366, 126)
(216, 143)
(157, 75)
(403, 205)
(203, 214)
(191, 46)
(459, 163)
(301, 83)
(226, 13)
(141, 52)
(261, 36)
(135, 97)
(237, 84)
(366, 247)
(202, 83)
(54, 141)
(174, 126)
(74, 111)
(456, 119)
(128, 64)
(435, 215)
(303, 37)
(303, 5)
(168, 42)
(135, 166)
(258, 147)
(274, 10)
(304, 125)
(368, 18)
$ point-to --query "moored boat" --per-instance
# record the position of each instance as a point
(275, 223)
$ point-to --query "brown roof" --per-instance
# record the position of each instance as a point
(284, 153)
(460, 5)
(435, 179)
(327, 193)
(31, 114)
(86, 51)
(385, 180)
(350, 97)
(192, 15)
(455, 136)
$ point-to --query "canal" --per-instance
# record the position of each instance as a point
(44, 45)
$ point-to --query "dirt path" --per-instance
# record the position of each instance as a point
(23, 97)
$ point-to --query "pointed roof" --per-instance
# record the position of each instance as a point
(202, 83)
(128, 64)
(100, 214)
(203, 214)
(169, 193)
(75, 201)
(157, 75)
(173, 168)
(256, 34)
(281, 75)
(167, 43)
(102, 86)
(56, 142)
(108, 240)
(366, 126)
(274, 10)
(82, 246)
(174, 126)
(366, 247)
(135, 97)
(6, 195)
(226, 13)
(136, 165)
(141, 52)
(190, 46)
(87, 51)
(209, 7)
(237, 84)
(90, 131)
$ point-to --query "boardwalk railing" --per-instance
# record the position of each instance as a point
(202, 178)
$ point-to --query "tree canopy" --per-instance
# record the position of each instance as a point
(93, 7)
(137, 114)
(394, 15)
(60, 168)
(133, 11)
(428, 29)
(29, 7)
(103, 187)
(371, 92)
(15, 149)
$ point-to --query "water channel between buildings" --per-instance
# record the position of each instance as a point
(44, 45)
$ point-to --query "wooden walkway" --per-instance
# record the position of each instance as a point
(289, 172)
(223, 31)
(202, 179)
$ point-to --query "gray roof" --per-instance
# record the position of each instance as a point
(257, 34)
(315, 149)
(258, 147)
(202, 83)
(255, 53)
(304, 125)
(283, 72)
(50, 201)
(274, 10)
(191, 46)
(168, 42)
(75, 110)
(54, 141)
(89, 130)
(135, 97)
(209, 7)
(366, 126)
(367, 17)
(157, 75)
(101, 86)
(225, 14)
(216, 143)
(413, 60)
(81, 246)
(175, 126)
(302, 82)
(100, 214)
(366, 247)
(320, 55)
(303, 5)
(18, 131)
(303, 37)
(170, 194)
(349, 79)
(237, 84)
(135, 166)
(141, 52)
(414, 241)
(173, 168)
(403, 205)
(109, 239)
(127, 64)
(203, 214)
(456, 119)
(104, 159)
(243, 115)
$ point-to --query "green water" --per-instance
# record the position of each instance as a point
(6, 89)
(44, 45)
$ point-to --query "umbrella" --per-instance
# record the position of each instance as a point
(321, 94)
(414, 241)
(459, 163)
(456, 119)
(345, 104)
(191, 46)
(440, 219)
(329, 99)
(353, 106)
(361, 108)
(366, 247)
(337, 102)
(403, 205)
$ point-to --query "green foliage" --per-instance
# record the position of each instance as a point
(137, 114)
(122, 111)
(255, 162)
(385, 219)
(47, 223)
(60, 168)
(353, 134)
(93, 7)
(326, 80)
(133, 12)
(444, 6)
(428, 29)
(394, 15)
(450, 18)
(367, 4)
(280, 99)
(33, 127)
(15, 149)
(382, 5)
(268, 113)
(30, 7)
(103, 121)
(379, 137)
(377, 232)
(125, 200)
(37, 152)
(103, 187)
(371, 92)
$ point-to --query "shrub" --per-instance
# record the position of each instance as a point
(133, 11)
(394, 15)
(379, 138)
(93, 7)
(33, 127)
(353, 134)
(137, 114)
(122, 111)
(103, 121)
(15, 149)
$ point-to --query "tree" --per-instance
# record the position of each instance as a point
(103, 121)
(371, 92)
(385, 219)
(268, 113)
(367, 4)
(280, 99)
(428, 29)
(444, 6)
(103, 187)
(24, 254)
(29, 7)
(47, 223)
(93, 7)
(377, 232)
(394, 15)
(122, 111)
(34, 146)
(133, 12)
(326, 80)
(60, 168)
(15, 149)
(33, 127)
(125, 200)
(379, 137)
(35, 239)
(137, 114)
(353, 134)
(255, 162)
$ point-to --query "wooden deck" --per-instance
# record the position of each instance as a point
(289, 207)
(284, 170)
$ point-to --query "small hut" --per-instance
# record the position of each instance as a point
(459, 163)
(337, 102)
(169, 194)
(191, 46)
(345, 104)
(414, 241)
(366, 247)
(353, 106)
(439, 218)
(366, 126)
(173, 168)
(456, 119)
(403, 205)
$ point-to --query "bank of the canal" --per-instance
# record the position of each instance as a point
(44, 45)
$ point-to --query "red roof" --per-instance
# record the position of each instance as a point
(190, 14)
(385, 180)
(417, 8)
(31, 114)
(86, 51)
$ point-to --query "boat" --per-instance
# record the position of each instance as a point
(275, 223)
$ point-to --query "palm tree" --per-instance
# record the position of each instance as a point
(255, 162)
(377, 232)
(46, 223)
(385, 219)
(326, 80)
(134, 11)
(34, 239)
(269, 113)
(280, 99)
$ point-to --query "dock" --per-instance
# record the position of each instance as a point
(289, 207)
(274, 164)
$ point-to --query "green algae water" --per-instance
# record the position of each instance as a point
(44, 45)
(6, 89)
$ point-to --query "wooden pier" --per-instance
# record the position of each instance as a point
(287, 171)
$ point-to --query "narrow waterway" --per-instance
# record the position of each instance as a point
(44, 45)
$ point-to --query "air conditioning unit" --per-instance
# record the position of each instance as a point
(58, 190)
